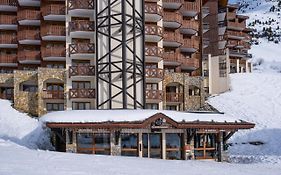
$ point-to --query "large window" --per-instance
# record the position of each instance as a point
(152, 145)
(222, 67)
(29, 88)
(54, 87)
(55, 107)
(81, 85)
(205, 146)
(173, 146)
(98, 143)
(152, 106)
(129, 144)
(81, 105)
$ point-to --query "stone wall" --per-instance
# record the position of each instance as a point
(25, 101)
(51, 75)
(7, 80)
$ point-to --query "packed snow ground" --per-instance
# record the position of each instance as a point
(255, 97)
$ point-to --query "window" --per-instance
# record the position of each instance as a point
(129, 145)
(205, 146)
(152, 86)
(55, 66)
(80, 63)
(173, 146)
(102, 143)
(172, 108)
(81, 84)
(29, 88)
(222, 67)
(81, 105)
(194, 91)
(152, 106)
(85, 143)
(55, 87)
(55, 107)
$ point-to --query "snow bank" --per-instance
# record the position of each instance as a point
(130, 115)
(20, 128)
(257, 98)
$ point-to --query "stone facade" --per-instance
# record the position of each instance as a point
(7, 80)
(185, 81)
(25, 101)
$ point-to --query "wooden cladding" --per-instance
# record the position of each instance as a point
(236, 24)
(24, 55)
(193, 6)
(153, 8)
(8, 19)
(81, 71)
(153, 30)
(174, 97)
(190, 24)
(28, 14)
(80, 4)
(8, 58)
(53, 51)
(8, 38)
(82, 48)
(52, 29)
(173, 36)
(53, 94)
(53, 9)
(154, 94)
(28, 33)
(154, 73)
(193, 42)
(82, 93)
(81, 25)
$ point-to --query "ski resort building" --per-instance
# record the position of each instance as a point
(84, 54)
(144, 133)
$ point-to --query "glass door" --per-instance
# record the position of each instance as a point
(152, 145)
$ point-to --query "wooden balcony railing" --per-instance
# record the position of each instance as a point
(154, 73)
(8, 19)
(153, 8)
(191, 6)
(9, 2)
(24, 55)
(236, 24)
(81, 25)
(8, 38)
(82, 48)
(53, 30)
(172, 1)
(154, 94)
(172, 17)
(191, 43)
(8, 58)
(53, 51)
(154, 51)
(173, 36)
(235, 33)
(82, 93)
(80, 4)
(231, 15)
(28, 14)
(153, 30)
(81, 71)
(53, 9)
(171, 56)
(51, 94)
(190, 24)
(28, 34)
(190, 62)
(174, 97)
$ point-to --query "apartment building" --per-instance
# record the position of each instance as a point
(227, 44)
(48, 54)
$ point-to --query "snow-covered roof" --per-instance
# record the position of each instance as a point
(96, 116)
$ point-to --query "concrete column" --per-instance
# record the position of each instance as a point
(210, 74)
(163, 145)
(247, 66)
(237, 66)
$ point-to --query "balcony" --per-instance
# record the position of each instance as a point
(171, 58)
(155, 96)
(189, 27)
(172, 4)
(80, 7)
(8, 5)
(190, 8)
(190, 64)
(153, 33)
(173, 97)
(153, 54)
(30, 3)
(53, 53)
(237, 53)
(81, 28)
(8, 22)
(53, 32)
(9, 60)
(205, 11)
(29, 56)
(29, 17)
(231, 15)
(172, 39)
(190, 45)
(236, 25)
(8, 40)
(172, 20)
(82, 49)
(154, 74)
(206, 27)
(235, 35)
(81, 71)
(153, 12)
(29, 36)
(81, 93)
(53, 12)
(51, 94)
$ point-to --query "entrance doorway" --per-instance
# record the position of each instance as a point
(152, 145)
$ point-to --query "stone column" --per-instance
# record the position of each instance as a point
(237, 66)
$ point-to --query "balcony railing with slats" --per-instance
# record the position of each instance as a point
(52, 94)
(28, 34)
(193, 42)
(154, 95)
(174, 97)
(52, 29)
(8, 58)
(53, 9)
(154, 51)
(8, 38)
(81, 25)
(8, 19)
(29, 55)
(80, 4)
(153, 8)
(81, 71)
(53, 51)
(82, 48)
(82, 93)
(28, 14)
(9, 2)
(153, 30)
(154, 73)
